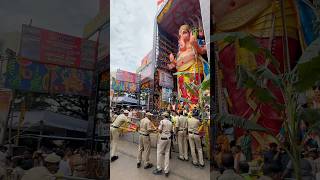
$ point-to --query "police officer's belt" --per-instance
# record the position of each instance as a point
(193, 133)
(114, 126)
(182, 129)
(163, 138)
(143, 134)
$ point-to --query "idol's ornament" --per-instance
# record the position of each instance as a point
(262, 20)
(189, 62)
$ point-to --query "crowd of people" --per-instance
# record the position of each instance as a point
(234, 159)
(182, 125)
(57, 163)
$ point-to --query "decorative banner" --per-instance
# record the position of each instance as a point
(165, 79)
(166, 94)
(5, 99)
(71, 81)
(27, 75)
(126, 76)
(124, 86)
(55, 48)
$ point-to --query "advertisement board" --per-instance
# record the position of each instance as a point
(124, 86)
(71, 81)
(165, 79)
(5, 100)
(126, 76)
(147, 72)
(31, 76)
(27, 75)
(166, 94)
(55, 48)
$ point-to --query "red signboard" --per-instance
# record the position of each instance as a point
(50, 47)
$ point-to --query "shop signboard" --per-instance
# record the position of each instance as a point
(49, 47)
(165, 79)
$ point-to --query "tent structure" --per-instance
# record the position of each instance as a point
(50, 119)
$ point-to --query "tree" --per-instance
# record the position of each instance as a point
(71, 105)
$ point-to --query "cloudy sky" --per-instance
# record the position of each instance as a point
(131, 32)
(66, 16)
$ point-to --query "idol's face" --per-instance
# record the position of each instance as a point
(185, 35)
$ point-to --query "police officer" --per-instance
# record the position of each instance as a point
(115, 131)
(181, 131)
(144, 140)
(194, 139)
(164, 143)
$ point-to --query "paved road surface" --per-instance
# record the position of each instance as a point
(126, 166)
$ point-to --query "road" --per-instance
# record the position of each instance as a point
(126, 166)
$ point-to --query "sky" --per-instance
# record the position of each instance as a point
(131, 32)
(66, 16)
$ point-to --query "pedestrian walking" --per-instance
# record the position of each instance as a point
(164, 143)
(145, 129)
(194, 140)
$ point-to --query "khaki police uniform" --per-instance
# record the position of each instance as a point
(120, 120)
(182, 127)
(194, 140)
(164, 143)
(144, 140)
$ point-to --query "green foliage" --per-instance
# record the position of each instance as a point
(308, 74)
(249, 43)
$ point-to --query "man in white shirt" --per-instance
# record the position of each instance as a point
(164, 144)
(115, 127)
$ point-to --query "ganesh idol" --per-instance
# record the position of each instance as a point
(262, 20)
(189, 63)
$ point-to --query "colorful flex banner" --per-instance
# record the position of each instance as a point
(124, 86)
(30, 76)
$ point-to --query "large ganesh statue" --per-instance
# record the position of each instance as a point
(262, 20)
(189, 63)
